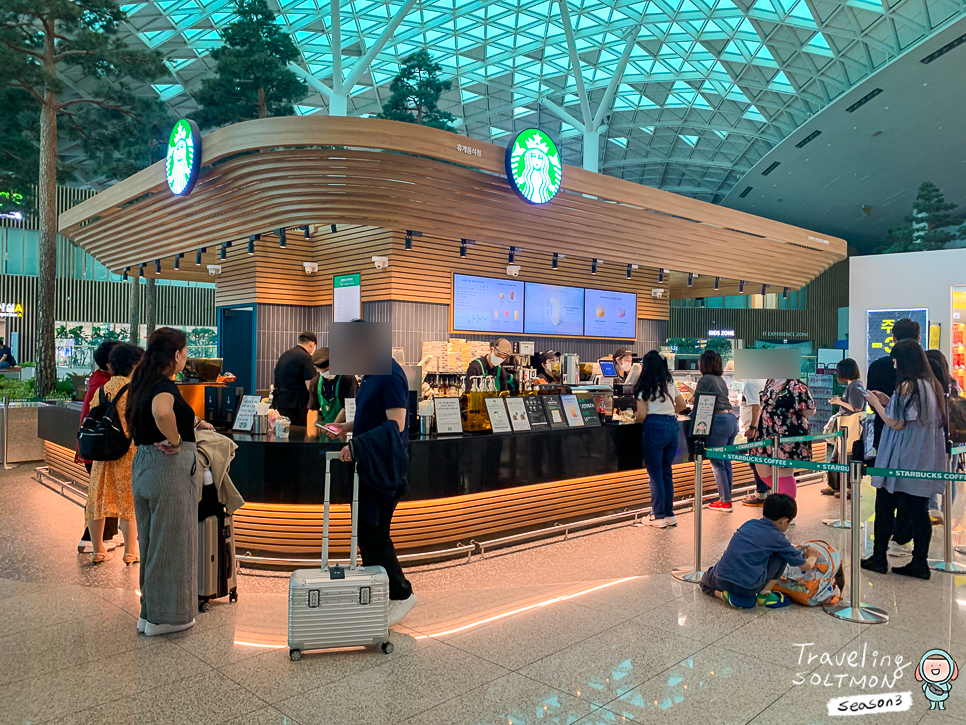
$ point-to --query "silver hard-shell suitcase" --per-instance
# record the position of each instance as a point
(216, 561)
(338, 606)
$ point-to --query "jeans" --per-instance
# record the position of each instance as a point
(723, 432)
(5, 364)
(710, 581)
(377, 549)
(659, 435)
(760, 486)
(913, 511)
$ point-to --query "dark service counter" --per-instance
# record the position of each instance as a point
(463, 488)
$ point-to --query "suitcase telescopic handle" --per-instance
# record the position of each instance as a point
(326, 503)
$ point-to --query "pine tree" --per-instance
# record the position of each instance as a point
(252, 79)
(929, 227)
(41, 41)
(415, 93)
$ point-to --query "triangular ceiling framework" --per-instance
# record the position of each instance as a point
(737, 76)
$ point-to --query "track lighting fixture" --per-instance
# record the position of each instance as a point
(509, 259)
(198, 255)
(741, 286)
(177, 260)
(251, 242)
(462, 247)
(629, 268)
(157, 266)
(124, 276)
(223, 255)
(305, 231)
(556, 259)
(140, 270)
(593, 266)
(764, 288)
(785, 293)
(690, 278)
(281, 238)
(334, 229)
(660, 276)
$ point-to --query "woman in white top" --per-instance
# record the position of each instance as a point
(658, 403)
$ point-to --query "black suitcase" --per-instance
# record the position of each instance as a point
(216, 551)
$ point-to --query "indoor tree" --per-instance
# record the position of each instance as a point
(66, 57)
(415, 93)
(930, 226)
(251, 76)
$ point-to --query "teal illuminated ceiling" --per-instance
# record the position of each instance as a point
(694, 92)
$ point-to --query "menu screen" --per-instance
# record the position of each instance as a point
(484, 304)
(610, 314)
(554, 310)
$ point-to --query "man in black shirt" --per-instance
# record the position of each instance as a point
(293, 375)
(492, 365)
(7, 359)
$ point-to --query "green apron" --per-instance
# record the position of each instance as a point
(329, 409)
(496, 378)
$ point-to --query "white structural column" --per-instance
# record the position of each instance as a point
(338, 95)
(592, 125)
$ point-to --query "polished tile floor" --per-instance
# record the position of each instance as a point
(587, 630)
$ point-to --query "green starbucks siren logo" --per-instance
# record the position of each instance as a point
(184, 156)
(533, 166)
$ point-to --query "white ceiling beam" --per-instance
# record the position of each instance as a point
(311, 80)
(362, 65)
(557, 110)
(335, 43)
(615, 79)
(575, 63)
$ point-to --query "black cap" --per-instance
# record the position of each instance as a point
(310, 336)
(548, 356)
(622, 352)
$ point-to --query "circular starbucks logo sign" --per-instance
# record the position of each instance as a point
(533, 166)
(184, 156)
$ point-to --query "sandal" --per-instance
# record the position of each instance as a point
(129, 559)
(101, 558)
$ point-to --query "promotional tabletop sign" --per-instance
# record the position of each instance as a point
(555, 411)
(183, 160)
(245, 419)
(518, 414)
(703, 415)
(589, 411)
(533, 166)
(535, 412)
(448, 418)
(499, 420)
(571, 410)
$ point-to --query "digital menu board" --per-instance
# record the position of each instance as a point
(551, 309)
(485, 304)
(610, 314)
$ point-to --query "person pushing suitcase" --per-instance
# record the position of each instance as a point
(379, 448)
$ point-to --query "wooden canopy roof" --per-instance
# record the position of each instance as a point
(288, 172)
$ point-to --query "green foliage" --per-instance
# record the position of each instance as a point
(75, 333)
(100, 334)
(251, 77)
(720, 345)
(930, 226)
(16, 389)
(685, 345)
(115, 127)
(415, 93)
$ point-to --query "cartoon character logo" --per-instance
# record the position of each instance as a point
(936, 671)
(181, 158)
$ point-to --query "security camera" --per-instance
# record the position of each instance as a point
(310, 267)
(214, 269)
(657, 293)
(513, 270)
(380, 262)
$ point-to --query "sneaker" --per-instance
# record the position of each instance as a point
(656, 522)
(753, 500)
(152, 630)
(86, 547)
(913, 569)
(772, 600)
(400, 608)
(739, 602)
(871, 564)
(670, 521)
(900, 549)
(721, 506)
(142, 623)
(827, 491)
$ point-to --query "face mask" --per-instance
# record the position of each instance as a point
(328, 375)
(495, 361)
(625, 366)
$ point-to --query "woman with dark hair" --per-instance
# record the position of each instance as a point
(109, 492)
(786, 406)
(847, 373)
(725, 425)
(658, 403)
(166, 480)
(913, 439)
(95, 382)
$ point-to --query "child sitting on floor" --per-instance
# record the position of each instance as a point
(756, 557)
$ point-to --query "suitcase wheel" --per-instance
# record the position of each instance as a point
(233, 596)
(295, 654)
(387, 648)
(204, 605)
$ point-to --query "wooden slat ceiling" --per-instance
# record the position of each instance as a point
(321, 170)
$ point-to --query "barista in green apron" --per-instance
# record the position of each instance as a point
(492, 365)
(328, 393)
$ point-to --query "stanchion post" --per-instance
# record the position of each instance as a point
(947, 564)
(842, 522)
(852, 609)
(775, 470)
(693, 574)
(6, 415)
